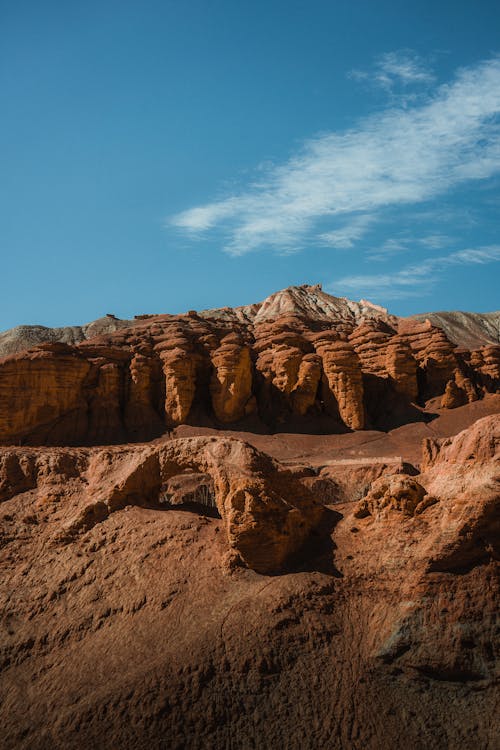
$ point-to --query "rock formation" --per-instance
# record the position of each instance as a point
(193, 593)
(302, 354)
(470, 330)
(305, 390)
(267, 513)
(21, 338)
(396, 492)
(231, 383)
(329, 581)
(342, 378)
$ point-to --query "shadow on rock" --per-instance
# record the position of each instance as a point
(317, 554)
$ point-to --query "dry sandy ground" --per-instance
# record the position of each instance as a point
(404, 442)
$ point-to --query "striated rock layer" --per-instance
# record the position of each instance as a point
(139, 610)
(301, 355)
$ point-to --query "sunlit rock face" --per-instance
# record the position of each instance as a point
(231, 382)
(300, 355)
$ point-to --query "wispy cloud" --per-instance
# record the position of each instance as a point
(396, 68)
(435, 241)
(403, 155)
(346, 236)
(414, 280)
(389, 249)
(395, 246)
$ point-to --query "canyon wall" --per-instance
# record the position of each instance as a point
(349, 372)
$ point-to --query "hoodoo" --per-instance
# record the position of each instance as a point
(301, 355)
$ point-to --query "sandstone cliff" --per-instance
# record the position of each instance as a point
(301, 355)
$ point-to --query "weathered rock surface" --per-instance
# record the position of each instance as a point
(301, 356)
(126, 623)
(267, 512)
(42, 390)
(471, 448)
(465, 471)
(231, 384)
(398, 492)
(470, 330)
(194, 592)
(342, 378)
(20, 338)
(305, 390)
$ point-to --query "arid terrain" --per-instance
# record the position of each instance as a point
(269, 526)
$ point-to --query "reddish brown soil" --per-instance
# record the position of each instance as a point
(138, 631)
(403, 442)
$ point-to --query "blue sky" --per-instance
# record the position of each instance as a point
(165, 156)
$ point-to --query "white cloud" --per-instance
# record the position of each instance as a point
(435, 241)
(414, 280)
(349, 234)
(402, 244)
(396, 68)
(404, 155)
(201, 218)
(388, 249)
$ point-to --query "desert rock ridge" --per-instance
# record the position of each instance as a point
(276, 525)
(301, 358)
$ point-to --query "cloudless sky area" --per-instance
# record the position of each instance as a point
(161, 156)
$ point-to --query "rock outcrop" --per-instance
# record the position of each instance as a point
(465, 472)
(305, 390)
(473, 447)
(267, 512)
(192, 593)
(470, 330)
(41, 390)
(20, 338)
(302, 355)
(231, 383)
(342, 378)
(398, 492)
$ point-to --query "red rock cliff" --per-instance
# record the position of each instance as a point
(304, 355)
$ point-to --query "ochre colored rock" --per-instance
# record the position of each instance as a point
(17, 474)
(142, 420)
(106, 404)
(127, 623)
(302, 352)
(465, 383)
(267, 512)
(42, 395)
(397, 492)
(231, 384)
(486, 362)
(433, 352)
(476, 445)
(191, 489)
(342, 372)
(179, 369)
(464, 471)
(280, 366)
(305, 391)
(370, 341)
(453, 396)
(401, 367)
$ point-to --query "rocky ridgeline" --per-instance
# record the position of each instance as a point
(302, 354)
